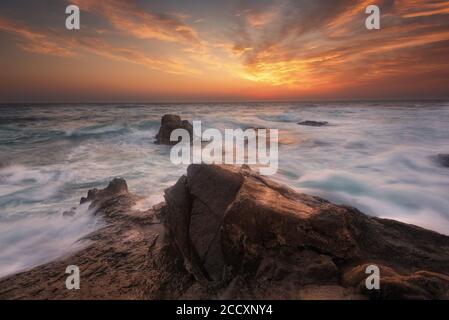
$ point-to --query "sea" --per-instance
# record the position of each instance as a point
(378, 156)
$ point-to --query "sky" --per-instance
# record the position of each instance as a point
(233, 50)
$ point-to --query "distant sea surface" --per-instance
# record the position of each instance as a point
(376, 156)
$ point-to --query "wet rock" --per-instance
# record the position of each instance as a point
(275, 237)
(313, 123)
(169, 123)
(126, 258)
(442, 160)
(69, 213)
(416, 285)
(115, 188)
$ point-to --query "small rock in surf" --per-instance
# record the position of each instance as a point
(170, 123)
(313, 123)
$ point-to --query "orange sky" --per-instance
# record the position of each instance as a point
(195, 50)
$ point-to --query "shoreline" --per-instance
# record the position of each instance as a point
(294, 246)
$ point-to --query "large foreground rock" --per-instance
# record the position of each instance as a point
(226, 232)
(233, 225)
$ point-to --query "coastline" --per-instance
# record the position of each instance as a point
(227, 232)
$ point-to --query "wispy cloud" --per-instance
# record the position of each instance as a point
(50, 43)
(422, 8)
(258, 18)
(36, 41)
(315, 43)
(127, 17)
(279, 46)
(134, 55)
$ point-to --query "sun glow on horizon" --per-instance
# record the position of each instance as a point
(131, 50)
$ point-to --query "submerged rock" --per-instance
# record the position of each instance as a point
(169, 123)
(227, 232)
(313, 123)
(69, 213)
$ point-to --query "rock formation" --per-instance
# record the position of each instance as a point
(169, 123)
(442, 160)
(227, 232)
(113, 260)
(313, 123)
(244, 226)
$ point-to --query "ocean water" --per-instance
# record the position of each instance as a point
(376, 156)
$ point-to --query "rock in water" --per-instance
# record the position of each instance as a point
(169, 123)
(115, 188)
(313, 123)
(442, 160)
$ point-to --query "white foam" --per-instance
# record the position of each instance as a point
(33, 240)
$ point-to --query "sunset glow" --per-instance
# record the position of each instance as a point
(228, 50)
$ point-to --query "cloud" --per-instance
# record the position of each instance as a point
(37, 42)
(127, 17)
(134, 55)
(50, 43)
(421, 8)
(284, 45)
(312, 44)
(258, 18)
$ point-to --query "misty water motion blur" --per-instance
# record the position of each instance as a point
(376, 156)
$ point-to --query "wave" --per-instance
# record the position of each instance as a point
(98, 131)
(286, 117)
(20, 184)
(401, 199)
(31, 241)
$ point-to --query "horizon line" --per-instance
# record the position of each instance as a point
(228, 101)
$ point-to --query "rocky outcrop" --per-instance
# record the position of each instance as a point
(313, 123)
(227, 232)
(115, 188)
(169, 123)
(123, 259)
(234, 224)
